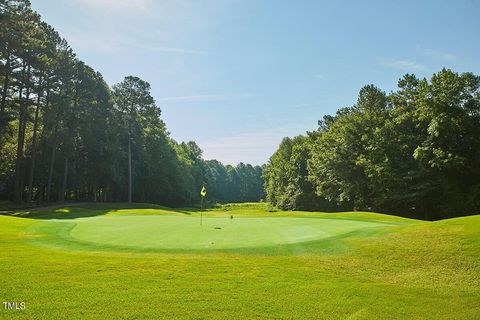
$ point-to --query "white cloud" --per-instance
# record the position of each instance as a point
(302, 105)
(319, 76)
(170, 49)
(254, 148)
(89, 41)
(116, 5)
(403, 65)
(206, 97)
(436, 54)
(86, 41)
(258, 144)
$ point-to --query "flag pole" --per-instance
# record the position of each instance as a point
(203, 193)
(201, 210)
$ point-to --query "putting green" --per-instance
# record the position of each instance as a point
(186, 233)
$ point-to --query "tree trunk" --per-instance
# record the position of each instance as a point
(5, 84)
(41, 193)
(129, 170)
(64, 184)
(52, 162)
(34, 147)
(21, 137)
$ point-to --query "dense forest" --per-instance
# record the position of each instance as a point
(66, 135)
(415, 151)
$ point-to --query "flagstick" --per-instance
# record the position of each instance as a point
(203, 193)
(201, 210)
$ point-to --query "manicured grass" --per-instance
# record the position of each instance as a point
(145, 261)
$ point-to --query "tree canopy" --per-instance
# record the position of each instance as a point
(415, 151)
(66, 135)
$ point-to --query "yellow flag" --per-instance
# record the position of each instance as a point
(203, 192)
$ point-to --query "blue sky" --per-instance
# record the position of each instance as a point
(238, 75)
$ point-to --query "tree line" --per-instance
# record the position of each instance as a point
(414, 152)
(66, 135)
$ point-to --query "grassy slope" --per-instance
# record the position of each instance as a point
(420, 270)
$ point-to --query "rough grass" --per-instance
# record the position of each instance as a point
(407, 269)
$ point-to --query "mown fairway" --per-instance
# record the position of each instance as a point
(144, 261)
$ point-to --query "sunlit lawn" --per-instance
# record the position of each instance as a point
(117, 263)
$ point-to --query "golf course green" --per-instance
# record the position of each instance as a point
(244, 261)
(185, 233)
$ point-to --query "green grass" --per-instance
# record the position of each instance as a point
(144, 261)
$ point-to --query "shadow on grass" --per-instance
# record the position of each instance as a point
(86, 210)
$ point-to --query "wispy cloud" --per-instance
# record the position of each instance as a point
(403, 65)
(256, 145)
(436, 54)
(93, 42)
(116, 5)
(206, 97)
(170, 49)
(254, 148)
(302, 105)
(319, 76)
(89, 42)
